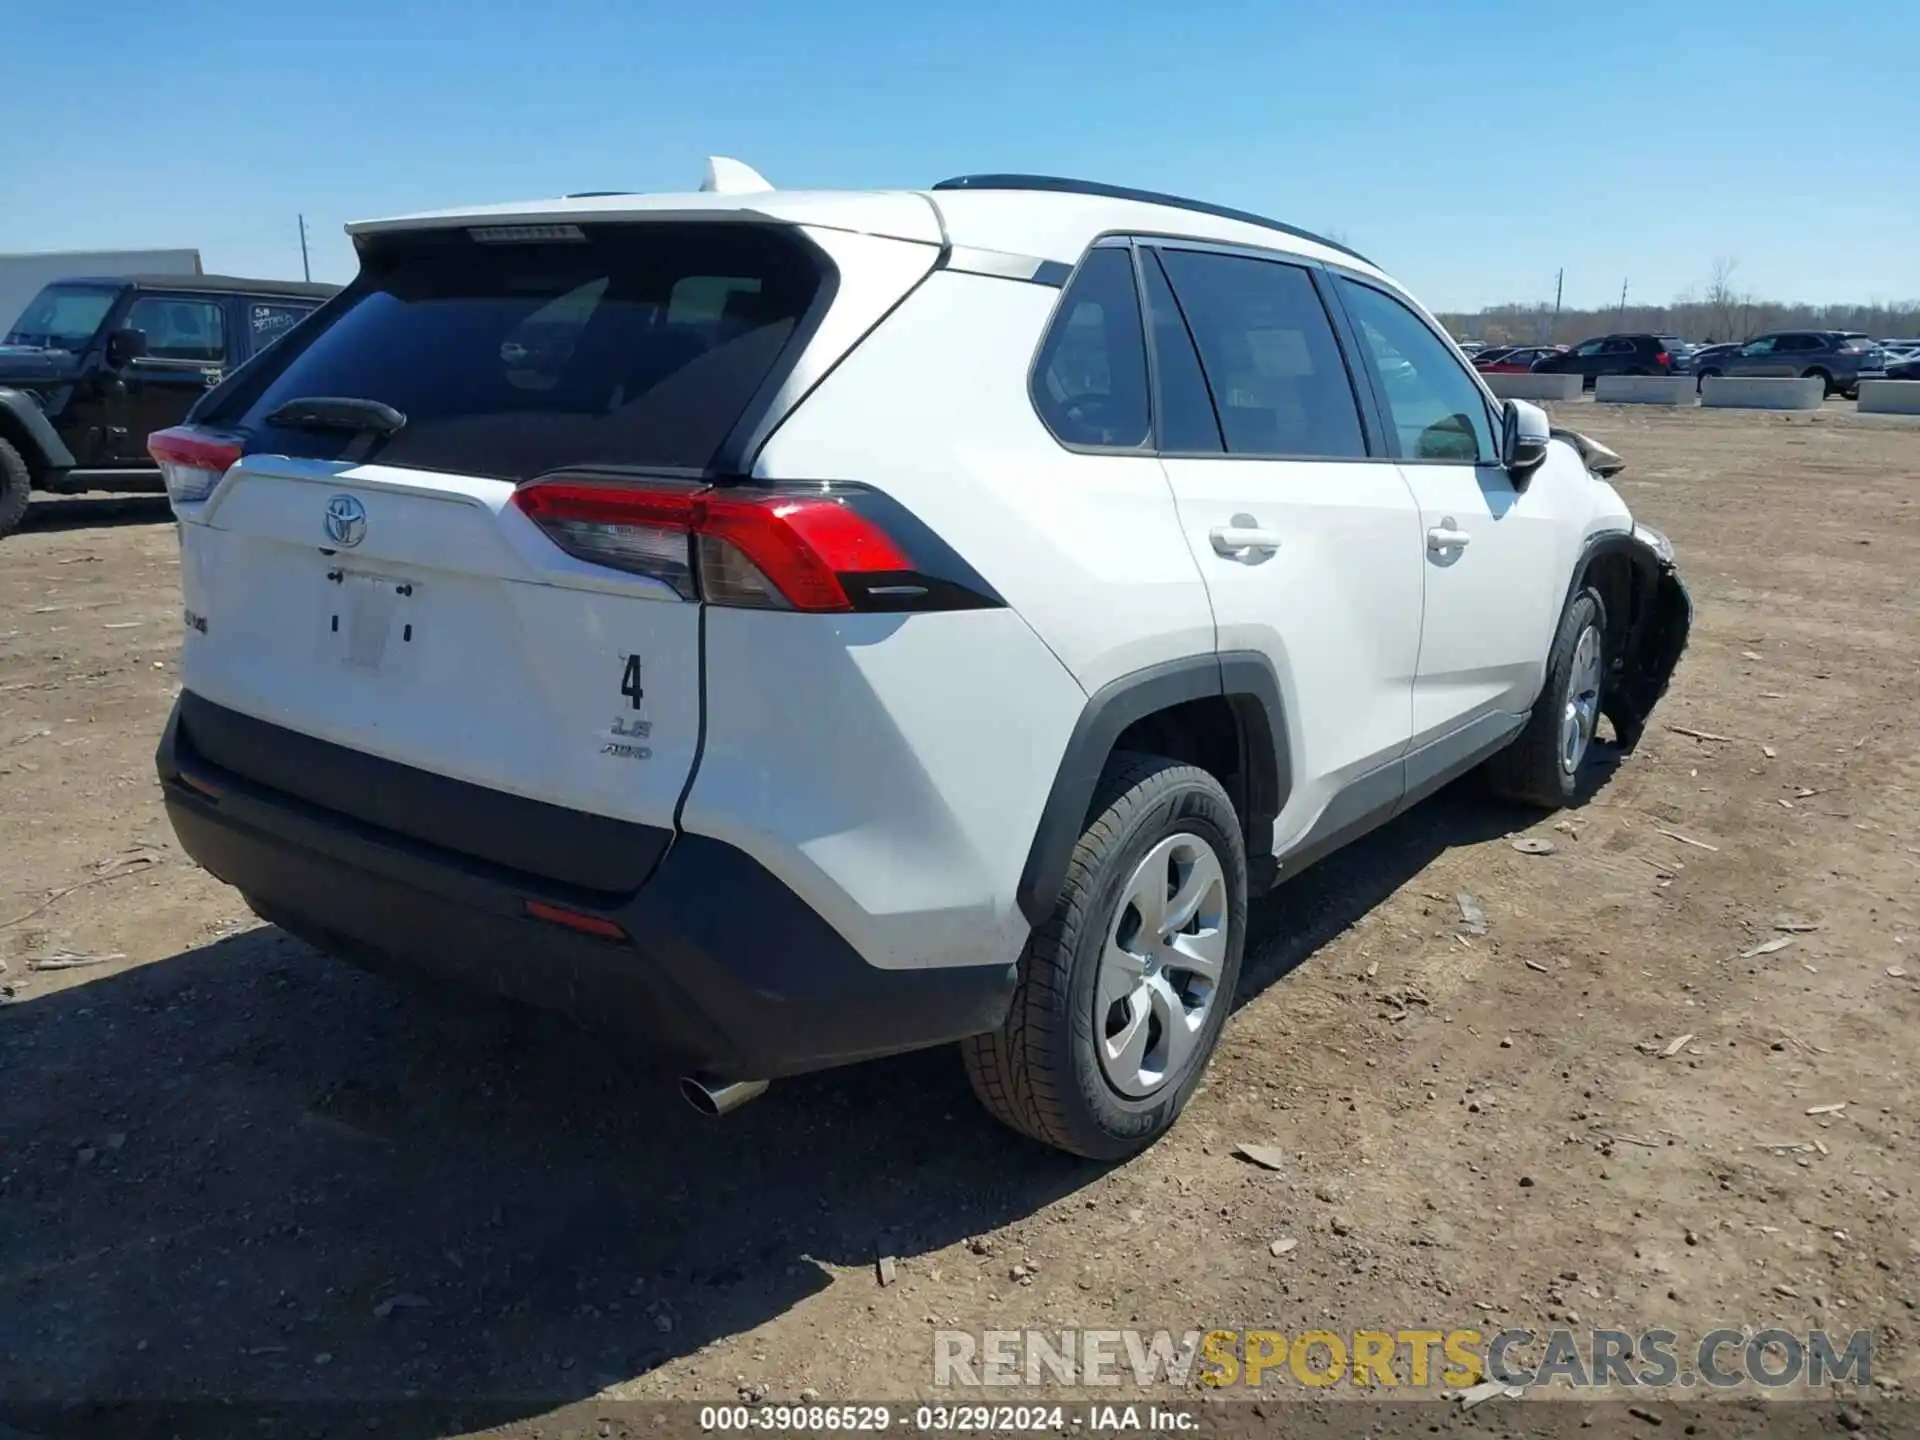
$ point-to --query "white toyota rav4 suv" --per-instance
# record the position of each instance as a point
(802, 626)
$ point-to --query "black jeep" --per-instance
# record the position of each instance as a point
(92, 367)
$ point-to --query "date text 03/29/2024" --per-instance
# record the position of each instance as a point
(962, 1419)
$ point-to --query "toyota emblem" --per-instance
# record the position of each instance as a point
(346, 520)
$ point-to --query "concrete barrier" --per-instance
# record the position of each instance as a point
(1534, 387)
(1762, 393)
(1890, 397)
(1647, 390)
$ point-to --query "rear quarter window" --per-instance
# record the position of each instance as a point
(1090, 380)
(632, 344)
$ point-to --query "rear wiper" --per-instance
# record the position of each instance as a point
(339, 412)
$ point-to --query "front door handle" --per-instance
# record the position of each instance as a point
(1445, 537)
(1239, 542)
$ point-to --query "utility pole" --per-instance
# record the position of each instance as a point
(1623, 302)
(306, 270)
(1559, 285)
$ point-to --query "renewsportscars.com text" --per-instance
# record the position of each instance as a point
(1403, 1359)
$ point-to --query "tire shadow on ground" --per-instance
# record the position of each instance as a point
(250, 1174)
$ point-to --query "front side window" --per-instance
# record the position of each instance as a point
(180, 329)
(1090, 382)
(1435, 408)
(1280, 386)
(1588, 347)
(1759, 347)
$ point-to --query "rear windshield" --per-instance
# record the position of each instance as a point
(637, 344)
(1854, 344)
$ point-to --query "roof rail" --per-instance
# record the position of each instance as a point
(1061, 185)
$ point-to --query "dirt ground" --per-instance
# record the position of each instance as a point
(232, 1168)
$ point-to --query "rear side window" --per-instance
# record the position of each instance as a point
(635, 344)
(1090, 382)
(180, 329)
(267, 322)
(1188, 425)
(1279, 384)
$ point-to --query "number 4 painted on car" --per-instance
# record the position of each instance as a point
(630, 682)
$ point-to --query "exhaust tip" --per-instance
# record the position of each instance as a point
(714, 1098)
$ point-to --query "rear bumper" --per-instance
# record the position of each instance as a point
(723, 969)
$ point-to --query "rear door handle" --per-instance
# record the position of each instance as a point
(1237, 541)
(1444, 537)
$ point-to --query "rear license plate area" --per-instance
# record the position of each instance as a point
(372, 622)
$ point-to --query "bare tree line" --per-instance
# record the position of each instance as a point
(1721, 311)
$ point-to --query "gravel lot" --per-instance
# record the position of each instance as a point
(230, 1167)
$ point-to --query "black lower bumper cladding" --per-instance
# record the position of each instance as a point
(724, 969)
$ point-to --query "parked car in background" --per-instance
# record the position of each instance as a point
(1840, 358)
(1470, 347)
(1895, 351)
(1907, 369)
(93, 367)
(1516, 361)
(1704, 355)
(1635, 353)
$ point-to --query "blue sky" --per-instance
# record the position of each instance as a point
(1470, 146)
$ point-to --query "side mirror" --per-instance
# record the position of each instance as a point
(1525, 433)
(124, 346)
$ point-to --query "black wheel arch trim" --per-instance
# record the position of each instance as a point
(1609, 542)
(1246, 679)
(1652, 638)
(39, 431)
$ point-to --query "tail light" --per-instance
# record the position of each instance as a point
(191, 461)
(821, 548)
(1663, 358)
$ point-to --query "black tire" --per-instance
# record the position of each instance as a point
(16, 485)
(1530, 770)
(1041, 1073)
(1826, 381)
